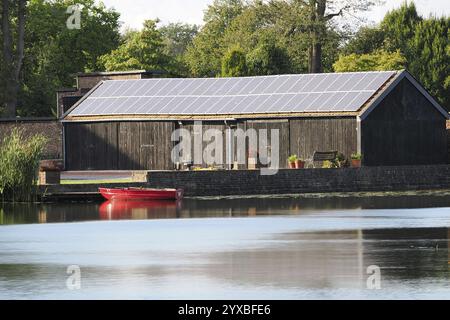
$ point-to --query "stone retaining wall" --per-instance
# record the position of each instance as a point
(250, 182)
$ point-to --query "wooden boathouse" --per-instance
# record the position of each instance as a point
(387, 116)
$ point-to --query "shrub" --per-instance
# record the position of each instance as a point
(19, 163)
(339, 162)
(293, 158)
(356, 156)
(328, 164)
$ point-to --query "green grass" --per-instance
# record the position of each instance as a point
(19, 162)
(121, 180)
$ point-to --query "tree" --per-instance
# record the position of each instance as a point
(430, 62)
(234, 63)
(447, 80)
(422, 42)
(54, 53)
(204, 55)
(177, 37)
(268, 59)
(366, 40)
(399, 27)
(377, 61)
(316, 18)
(142, 50)
(12, 61)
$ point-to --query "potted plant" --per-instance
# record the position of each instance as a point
(291, 160)
(299, 163)
(356, 160)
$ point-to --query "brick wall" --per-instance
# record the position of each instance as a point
(216, 183)
(88, 82)
(52, 129)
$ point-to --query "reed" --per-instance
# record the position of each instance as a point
(19, 164)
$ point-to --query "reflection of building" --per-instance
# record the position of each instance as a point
(336, 260)
(297, 260)
(386, 116)
(42, 216)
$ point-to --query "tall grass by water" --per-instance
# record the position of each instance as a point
(19, 164)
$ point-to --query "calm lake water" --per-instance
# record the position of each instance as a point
(264, 248)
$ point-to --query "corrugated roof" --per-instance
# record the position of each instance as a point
(283, 94)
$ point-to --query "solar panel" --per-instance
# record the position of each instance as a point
(332, 92)
(362, 85)
(311, 103)
(349, 81)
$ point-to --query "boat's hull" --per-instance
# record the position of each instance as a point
(141, 194)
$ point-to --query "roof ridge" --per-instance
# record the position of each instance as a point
(262, 76)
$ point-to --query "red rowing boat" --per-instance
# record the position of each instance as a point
(141, 194)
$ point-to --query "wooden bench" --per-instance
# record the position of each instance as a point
(321, 156)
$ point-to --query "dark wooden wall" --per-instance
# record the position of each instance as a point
(404, 129)
(281, 125)
(323, 134)
(206, 126)
(148, 146)
(283, 132)
(118, 146)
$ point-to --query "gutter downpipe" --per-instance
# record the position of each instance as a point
(358, 135)
(229, 147)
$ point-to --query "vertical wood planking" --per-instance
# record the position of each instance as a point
(322, 134)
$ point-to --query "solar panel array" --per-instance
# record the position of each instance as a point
(334, 92)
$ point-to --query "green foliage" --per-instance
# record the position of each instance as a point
(399, 28)
(366, 40)
(54, 53)
(143, 50)
(422, 43)
(19, 162)
(339, 162)
(177, 37)
(204, 55)
(356, 156)
(234, 63)
(273, 36)
(430, 61)
(327, 164)
(447, 80)
(292, 158)
(268, 59)
(378, 61)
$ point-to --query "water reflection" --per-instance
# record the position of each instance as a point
(251, 258)
(191, 208)
(339, 259)
(139, 210)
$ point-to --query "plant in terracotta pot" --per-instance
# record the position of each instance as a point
(291, 160)
(356, 160)
(299, 163)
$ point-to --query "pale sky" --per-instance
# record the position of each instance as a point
(134, 12)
